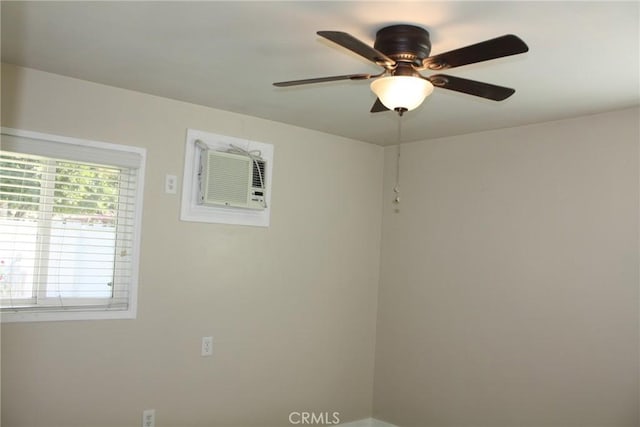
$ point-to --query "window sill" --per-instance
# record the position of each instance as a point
(55, 316)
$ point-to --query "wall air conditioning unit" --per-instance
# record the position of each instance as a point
(230, 179)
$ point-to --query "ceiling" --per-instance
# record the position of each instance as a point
(583, 58)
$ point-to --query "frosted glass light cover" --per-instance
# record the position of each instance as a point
(405, 92)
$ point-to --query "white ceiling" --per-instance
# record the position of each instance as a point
(583, 57)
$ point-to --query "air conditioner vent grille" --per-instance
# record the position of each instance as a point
(259, 178)
(228, 179)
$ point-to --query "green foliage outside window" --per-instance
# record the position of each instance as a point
(81, 191)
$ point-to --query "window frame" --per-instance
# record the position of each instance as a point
(91, 313)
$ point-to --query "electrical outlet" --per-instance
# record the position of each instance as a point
(149, 418)
(170, 184)
(207, 346)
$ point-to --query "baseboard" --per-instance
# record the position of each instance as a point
(367, 422)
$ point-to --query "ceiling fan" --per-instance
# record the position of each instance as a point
(403, 51)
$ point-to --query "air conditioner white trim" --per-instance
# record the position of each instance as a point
(192, 210)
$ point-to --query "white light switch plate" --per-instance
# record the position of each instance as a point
(207, 346)
(170, 184)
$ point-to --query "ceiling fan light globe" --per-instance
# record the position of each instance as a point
(401, 92)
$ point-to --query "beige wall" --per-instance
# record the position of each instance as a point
(509, 279)
(291, 307)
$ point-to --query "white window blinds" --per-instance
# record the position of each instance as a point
(69, 226)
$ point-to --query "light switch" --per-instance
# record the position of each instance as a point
(207, 346)
(170, 184)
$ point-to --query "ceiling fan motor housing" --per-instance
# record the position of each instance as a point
(404, 43)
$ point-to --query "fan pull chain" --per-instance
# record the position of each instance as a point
(396, 188)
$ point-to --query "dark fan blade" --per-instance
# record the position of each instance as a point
(324, 79)
(483, 51)
(359, 47)
(378, 107)
(471, 87)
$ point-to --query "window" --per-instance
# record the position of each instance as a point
(69, 227)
